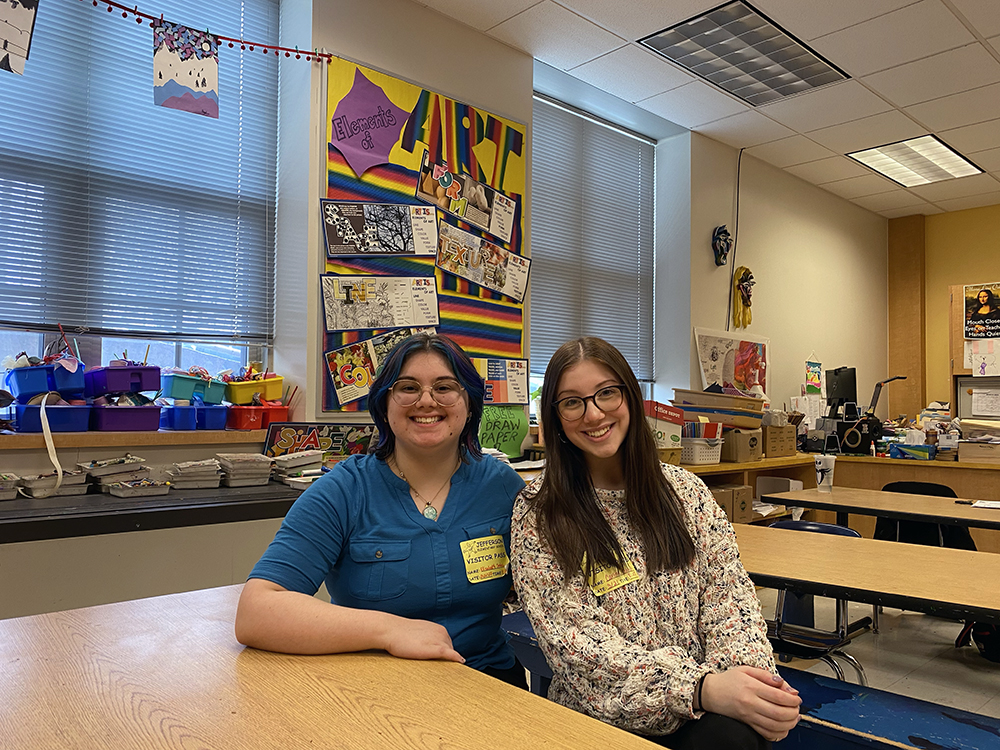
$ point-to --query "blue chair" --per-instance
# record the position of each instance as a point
(789, 639)
(528, 652)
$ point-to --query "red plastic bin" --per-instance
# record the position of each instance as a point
(125, 418)
(246, 417)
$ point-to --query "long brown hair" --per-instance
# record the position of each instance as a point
(567, 510)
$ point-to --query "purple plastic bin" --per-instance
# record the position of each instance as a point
(103, 380)
(125, 418)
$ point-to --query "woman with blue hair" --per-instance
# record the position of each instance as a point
(412, 540)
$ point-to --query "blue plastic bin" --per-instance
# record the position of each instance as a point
(178, 418)
(61, 418)
(27, 382)
(211, 417)
(176, 385)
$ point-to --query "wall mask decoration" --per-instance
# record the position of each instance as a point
(722, 243)
(743, 282)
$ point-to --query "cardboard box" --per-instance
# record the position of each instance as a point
(779, 441)
(741, 502)
(741, 446)
(769, 485)
(724, 497)
(666, 422)
(980, 453)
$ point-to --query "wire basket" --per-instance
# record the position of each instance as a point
(697, 451)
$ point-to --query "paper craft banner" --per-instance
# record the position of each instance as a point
(814, 380)
(185, 69)
(982, 311)
(366, 125)
(506, 380)
(354, 303)
(504, 428)
(378, 228)
(466, 198)
(17, 22)
(481, 262)
(340, 440)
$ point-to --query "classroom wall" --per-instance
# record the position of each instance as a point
(959, 248)
(820, 264)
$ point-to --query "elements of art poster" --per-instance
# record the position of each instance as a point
(737, 361)
(336, 440)
(473, 258)
(982, 311)
(185, 69)
(353, 367)
(17, 22)
(506, 380)
(354, 303)
(373, 228)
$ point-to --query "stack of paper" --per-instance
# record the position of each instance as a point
(193, 475)
(8, 486)
(244, 469)
(40, 485)
(299, 469)
(138, 488)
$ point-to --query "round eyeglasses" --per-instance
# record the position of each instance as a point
(444, 392)
(609, 398)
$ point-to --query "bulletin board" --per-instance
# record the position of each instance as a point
(423, 222)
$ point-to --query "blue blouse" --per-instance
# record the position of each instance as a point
(358, 529)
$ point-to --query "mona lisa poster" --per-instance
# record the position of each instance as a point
(982, 311)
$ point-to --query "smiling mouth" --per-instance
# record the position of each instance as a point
(426, 420)
(598, 433)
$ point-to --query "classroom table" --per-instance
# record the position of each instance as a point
(896, 505)
(955, 583)
(167, 672)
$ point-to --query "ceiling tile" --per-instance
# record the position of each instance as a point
(479, 14)
(745, 129)
(962, 187)
(988, 159)
(808, 20)
(554, 35)
(957, 110)
(830, 105)
(877, 130)
(857, 187)
(972, 201)
(828, 170)
(887, 201)
(637, 18)
(788, 151)
(973, 138)
(631, 73)
(982, 14)
(895, 38)
(995, 43)
(693, 104)
(926, 209)
(947, 73)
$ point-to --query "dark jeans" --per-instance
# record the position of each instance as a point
(512, 675)
(713, 732)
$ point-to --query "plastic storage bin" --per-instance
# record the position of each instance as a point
(60, 418)
(25, 382)
(696, 451)
(246, 417)
(242, 393)
(275, 414)
(125, 418)
(211, 417)
(103, 380)
(178, 417)
(176, 385)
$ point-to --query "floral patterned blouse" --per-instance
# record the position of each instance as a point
(633, 657)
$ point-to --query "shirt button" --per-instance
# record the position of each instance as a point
(378, 554)
(492, 530)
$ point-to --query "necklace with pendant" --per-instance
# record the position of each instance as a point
(429, 512)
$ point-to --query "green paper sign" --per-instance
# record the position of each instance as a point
(504, 428)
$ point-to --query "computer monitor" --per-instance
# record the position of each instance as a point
(841, 388)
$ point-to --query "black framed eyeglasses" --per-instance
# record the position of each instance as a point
(609, 398)
(444, 392)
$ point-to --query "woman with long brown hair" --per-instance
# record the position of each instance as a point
(630, 574)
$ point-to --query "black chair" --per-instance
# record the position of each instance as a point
(923, 532)
(802, 642)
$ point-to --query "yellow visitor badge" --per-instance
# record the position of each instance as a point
(606, 578)
(485, 558)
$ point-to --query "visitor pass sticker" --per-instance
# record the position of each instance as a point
(485, 558)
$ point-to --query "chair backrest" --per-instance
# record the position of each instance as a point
(920, 488)
(815, 526)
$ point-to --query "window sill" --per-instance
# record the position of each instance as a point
(35, 440)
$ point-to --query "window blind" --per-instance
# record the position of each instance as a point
(121, 217)
(591, 236)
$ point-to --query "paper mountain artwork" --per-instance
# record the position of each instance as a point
(17, 19)
(185, 69)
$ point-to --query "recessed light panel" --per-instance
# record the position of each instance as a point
(917, 161)
(740, 50)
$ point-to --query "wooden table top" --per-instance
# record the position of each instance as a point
(167, 672)
(897, 505)
(951, 582)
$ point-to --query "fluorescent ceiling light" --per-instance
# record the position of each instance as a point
(743, 52)
(917, 161)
